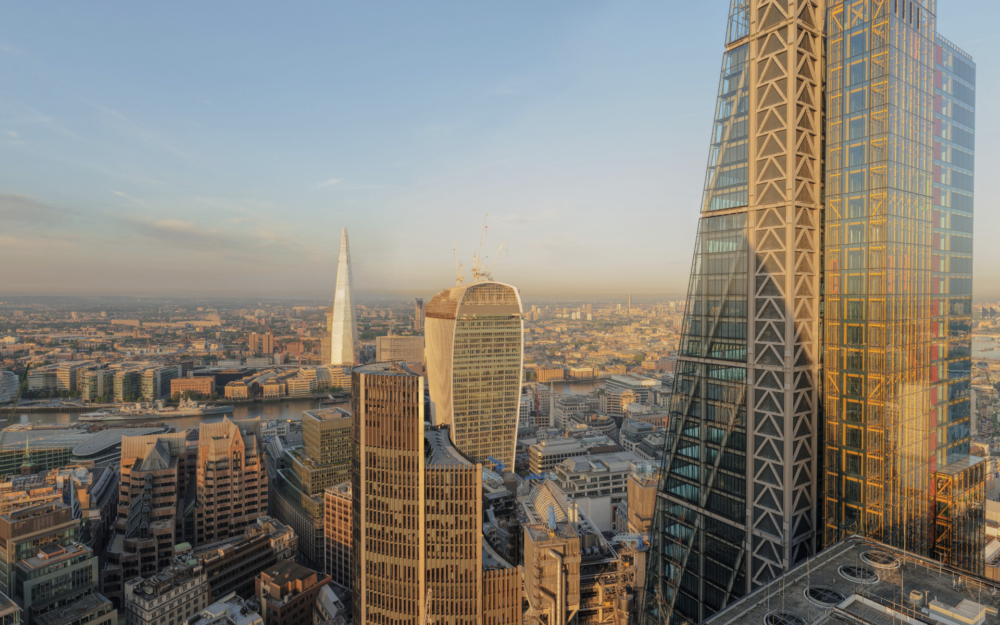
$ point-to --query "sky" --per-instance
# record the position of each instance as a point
(218, 148)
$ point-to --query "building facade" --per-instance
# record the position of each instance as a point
(232, 479)
(337, 534)
(287, 593)
(171, 596)
(404, 348)
(900, 130)
(741, 495)
(475, 351)
(738, 490)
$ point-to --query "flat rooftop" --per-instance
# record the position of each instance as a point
(826, 590)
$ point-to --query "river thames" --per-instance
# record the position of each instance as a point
(279, 410)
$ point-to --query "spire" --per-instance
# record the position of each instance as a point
(343, 326)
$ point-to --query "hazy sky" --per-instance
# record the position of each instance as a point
(219, 147)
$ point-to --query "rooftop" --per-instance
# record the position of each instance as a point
(439, 451)
(385, 368)
(827, 590)
(76, 611)
(107, 439)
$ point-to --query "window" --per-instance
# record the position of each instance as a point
(855, 310)
(858, 100)
(859, 43)
(856, 127)
(856, 154)
(858, 74)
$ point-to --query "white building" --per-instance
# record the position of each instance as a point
(599, 483)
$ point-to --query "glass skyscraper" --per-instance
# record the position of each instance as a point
(823, 382)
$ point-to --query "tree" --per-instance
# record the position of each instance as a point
(176, 397)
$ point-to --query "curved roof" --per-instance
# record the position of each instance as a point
(106, 439)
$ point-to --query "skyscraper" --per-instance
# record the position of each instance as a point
(418, 315)
(899, 265)
(418, 515)
(741, 486)
(475, 349)
(342, 322)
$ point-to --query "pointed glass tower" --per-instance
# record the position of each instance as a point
(343, 326)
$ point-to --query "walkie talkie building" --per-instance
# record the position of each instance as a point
(804, 405)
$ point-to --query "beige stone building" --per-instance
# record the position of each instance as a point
(232, 479)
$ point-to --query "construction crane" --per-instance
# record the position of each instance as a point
(489, 272)
(499, 465)
(459, 277)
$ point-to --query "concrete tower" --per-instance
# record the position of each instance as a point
(343, 326)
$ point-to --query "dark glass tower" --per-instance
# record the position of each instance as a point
(823, 382)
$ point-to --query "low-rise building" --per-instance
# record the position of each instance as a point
(598, 482)
(287, 593)
(544, 456)
(168, 598)
(232, 566)
(633, 433)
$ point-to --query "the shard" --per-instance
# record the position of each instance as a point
(343, 326)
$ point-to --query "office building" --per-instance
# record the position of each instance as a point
(307, 471)
(25, 531)
(97, 385)
(230, 567)
(156, 382)
(173, 595)
(232, 479)
(342, 322)
(154, 497)
(747, 492)
(261, 344)
(429, 552)
(898, 286)
(399, 348)
(418, 315)
(287, 593)
(475, 349)
(337, 535)
(127, 385)
(8, 386)
(200, 387)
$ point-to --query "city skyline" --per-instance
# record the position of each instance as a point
(550, 140)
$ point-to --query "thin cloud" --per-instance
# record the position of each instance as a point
(329, 183)
(27, 209)
(139, 133)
